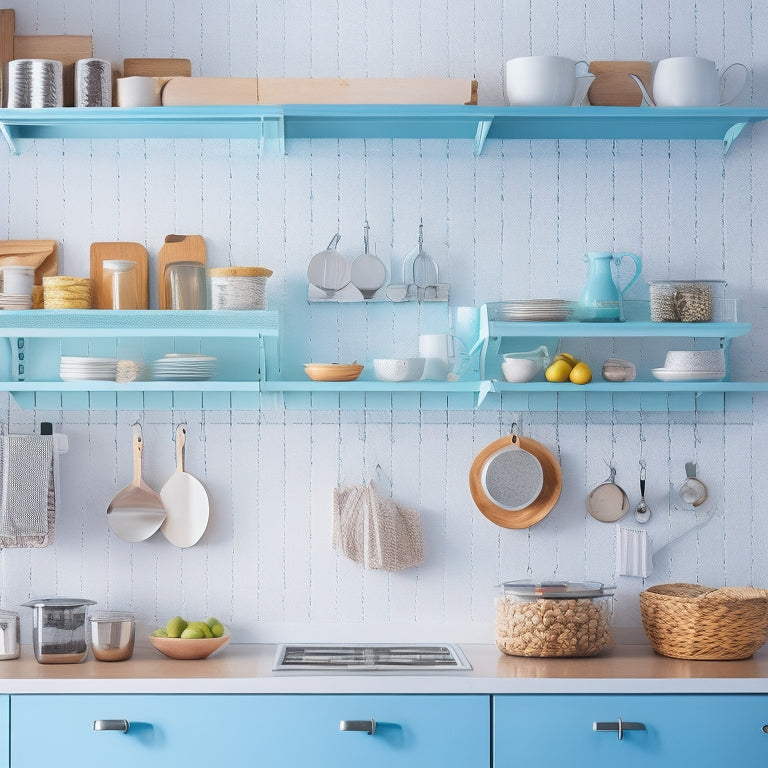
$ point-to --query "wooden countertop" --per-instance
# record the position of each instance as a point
(242, 669)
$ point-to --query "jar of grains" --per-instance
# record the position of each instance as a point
(686, 301)
(554, 618)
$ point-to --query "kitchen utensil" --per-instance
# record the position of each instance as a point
(613, 87)
(10, 640)
(495, 491)
(518, 367)
(692, 491)
(186, 286)
(177, 248)
(528, 310)
(136, 512)
(328, 270)
(177, 366)
(601, 298)
(424, 269)
(691, 81)
(333, 371)
(642, 511)
(112, 635)
(66, 49)
(407, 369)
(546, 81)
(7, 30)
(93, 83)
(183, 648)
(185, 500)
(608, 502)
(146, 67)
(58, 629)
(554, 618)
(439, 351)
(368, 272)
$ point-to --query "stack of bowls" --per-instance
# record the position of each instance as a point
(692, 365)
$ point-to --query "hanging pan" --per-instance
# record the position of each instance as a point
(515, 481)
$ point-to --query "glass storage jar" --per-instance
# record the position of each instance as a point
(686, 301)
(554, 618)
(58, 629)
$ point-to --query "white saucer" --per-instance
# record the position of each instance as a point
(669, 374)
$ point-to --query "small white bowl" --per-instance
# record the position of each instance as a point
(695, 360)
(392, 369)
(518, 370)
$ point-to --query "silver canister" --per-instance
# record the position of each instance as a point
(10, 646)
(112, 635)
(58, 629)
(93, 83)
(35, 83)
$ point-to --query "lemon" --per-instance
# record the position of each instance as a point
(192, 633)
(558, 371)
(175, 626)
(581, 374)
(569, 358)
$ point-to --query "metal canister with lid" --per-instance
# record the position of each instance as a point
(554, 618)
(58, 629)
(10, 647)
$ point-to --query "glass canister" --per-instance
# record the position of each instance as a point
(554, 618)
(186, 285)
(119, 286)
(58, 629)
(686, 301)
(10, 647)
(112, 635)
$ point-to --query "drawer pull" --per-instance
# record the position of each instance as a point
(765, 728)
(618, 727)
(369, 726)
(111, 725)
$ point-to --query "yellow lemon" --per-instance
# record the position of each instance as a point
(569, 358)
(558, 371)
(581, 374)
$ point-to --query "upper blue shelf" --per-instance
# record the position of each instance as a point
(275, 124)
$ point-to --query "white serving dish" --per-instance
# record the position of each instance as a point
(402, 369)
(667, 374)
(695, 360)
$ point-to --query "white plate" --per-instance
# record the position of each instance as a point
(667, 374)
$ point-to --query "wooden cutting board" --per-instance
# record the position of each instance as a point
(101, 252)
(218, 91)
(7, 30)
(177, 248)
(613, 86)
(64, 48)
(157, 68)
(40, 254)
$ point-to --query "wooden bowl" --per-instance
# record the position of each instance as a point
(181, 648)
(333, 371)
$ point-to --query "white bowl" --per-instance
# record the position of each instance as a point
(518, 370)
(696, 360)
(392, 369)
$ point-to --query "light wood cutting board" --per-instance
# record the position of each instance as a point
(7, 29)
(64, 48)
(177, 248)
(157, 68)
(613, 86)
(40, 254)
(101, 252)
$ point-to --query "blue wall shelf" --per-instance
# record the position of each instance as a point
(273, 125)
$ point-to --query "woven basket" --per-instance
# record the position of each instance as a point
(689, 621)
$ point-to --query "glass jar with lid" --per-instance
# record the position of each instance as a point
(119, 286)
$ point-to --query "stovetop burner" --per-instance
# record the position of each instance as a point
(369, 657)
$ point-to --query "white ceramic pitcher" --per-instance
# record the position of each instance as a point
(547, 81)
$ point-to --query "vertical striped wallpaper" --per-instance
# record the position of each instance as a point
(512, 223)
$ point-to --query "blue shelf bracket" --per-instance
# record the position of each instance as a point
(481, 134)
(8, 139)
(731, 135)
(273, 134)
(485, 388)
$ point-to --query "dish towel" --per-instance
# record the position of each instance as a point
(27, 491)
(377, 533)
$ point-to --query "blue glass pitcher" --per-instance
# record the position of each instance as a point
(601, 299)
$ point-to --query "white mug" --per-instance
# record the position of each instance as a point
(690, 81)
(439, 351)
(18, 280)
(546, 81)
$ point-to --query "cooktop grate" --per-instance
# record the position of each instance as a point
(369, 656)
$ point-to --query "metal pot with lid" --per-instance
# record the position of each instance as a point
(59, 629)
(554, 618)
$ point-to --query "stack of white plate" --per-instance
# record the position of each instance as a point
(87, 368)
(184, 367)
(15, 301)
(548, 310)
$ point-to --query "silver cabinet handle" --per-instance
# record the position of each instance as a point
(111, 725)
(618, 727)
(369, 726)
(765, 728)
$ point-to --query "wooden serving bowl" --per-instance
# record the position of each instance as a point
(183, 648)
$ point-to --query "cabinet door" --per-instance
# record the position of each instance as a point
(162, 730)
(708, 731)
(4, 730)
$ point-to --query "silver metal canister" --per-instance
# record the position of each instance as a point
(112, 635)
(10, 646)
(58, 629)
(93, 83)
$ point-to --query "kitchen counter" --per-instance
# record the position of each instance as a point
(248, 669)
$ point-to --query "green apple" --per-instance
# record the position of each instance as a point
(201, 626)
(175, 626)
(192, 633)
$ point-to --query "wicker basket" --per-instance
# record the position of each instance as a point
(689, 621)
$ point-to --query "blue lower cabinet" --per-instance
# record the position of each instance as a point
(706, 731)
(126, 731)
(4, 731)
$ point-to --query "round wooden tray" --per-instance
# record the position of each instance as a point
(536, 510)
